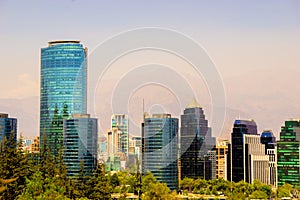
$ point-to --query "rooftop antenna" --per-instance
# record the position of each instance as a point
(143, 110)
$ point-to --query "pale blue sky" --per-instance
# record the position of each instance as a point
(255, 44)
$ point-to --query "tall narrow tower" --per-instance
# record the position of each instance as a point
(159, 148)
(288, 153)
(198, 160)
(63, 88)
(120, 122)
(80, 144)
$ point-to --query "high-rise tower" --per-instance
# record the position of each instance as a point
(8, 127)
(63, 88)
(120, 122)
(159, 148)
(198, 158)
(268, 139)
(80, 136)
(288, 153)
(247, 159)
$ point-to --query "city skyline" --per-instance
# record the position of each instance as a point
(254, 49)
(145, 100)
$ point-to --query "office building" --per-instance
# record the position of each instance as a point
(288, 167)
(102, 155)
(8, 127)
(35, 146)
(120, 121)
(135, 152)
(63, 88)
(113, 141)
(268, 139)
(113, 163)
(247, 154)
(116, 158)
(196, 142)
(221, 153)
(160, 148)
(80, 140)
(135, 143)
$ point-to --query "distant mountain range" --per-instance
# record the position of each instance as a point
(26, 110)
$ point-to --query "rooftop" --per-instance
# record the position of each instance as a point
(193, 104)
(62, 42)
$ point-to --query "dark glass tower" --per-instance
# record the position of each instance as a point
(268, 139)
(80, 136)
(239, 162)
(63, 88)
(198, 159)
(288, 166)
(8, 127)
(159, 148)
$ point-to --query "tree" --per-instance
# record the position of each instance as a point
(257, 185)
(14, 165)
(50, 179)
(4, 182)
(237, 196)
(187, 184)
(261, 187)
(200, 186)
(284, 190)
(39, 188)
(223, 186)
(146, 181)
(98, 186)
(77, 185)
(157, 191)
(295, 194)
(151, 189)
(243, 187)
(114, 180)
(257, 194)
(266, 189)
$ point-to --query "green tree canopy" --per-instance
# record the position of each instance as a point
(14, 165)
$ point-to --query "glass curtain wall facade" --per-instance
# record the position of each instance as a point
(195, 144)
(159, 148)
(8, 127)
(239, 162)
(288, 166)
(80, 140)
(63, 88)
(246, 156)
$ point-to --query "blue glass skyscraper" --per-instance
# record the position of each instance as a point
(8, 127)
(159, 148)
(63, 88)
(80, 138)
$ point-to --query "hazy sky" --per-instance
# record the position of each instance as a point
(254, 44)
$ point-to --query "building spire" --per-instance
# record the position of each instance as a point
(193, 104)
